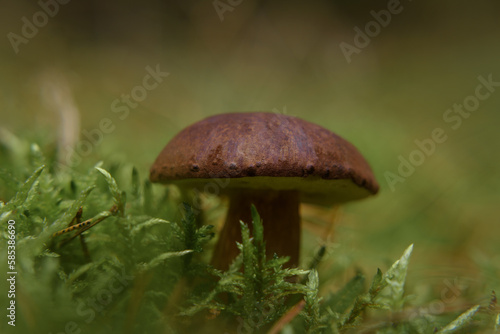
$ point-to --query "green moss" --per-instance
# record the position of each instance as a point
(143, 266)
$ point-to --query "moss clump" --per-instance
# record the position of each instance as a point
(143, 267)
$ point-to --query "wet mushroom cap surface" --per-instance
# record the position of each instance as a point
(262, 150)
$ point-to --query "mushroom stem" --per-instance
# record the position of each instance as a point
(279, 211)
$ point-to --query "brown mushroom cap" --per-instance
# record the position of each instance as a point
(261, 150)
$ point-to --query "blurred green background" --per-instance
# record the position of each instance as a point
(285, 57)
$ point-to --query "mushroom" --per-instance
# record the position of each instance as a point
(270, 160)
